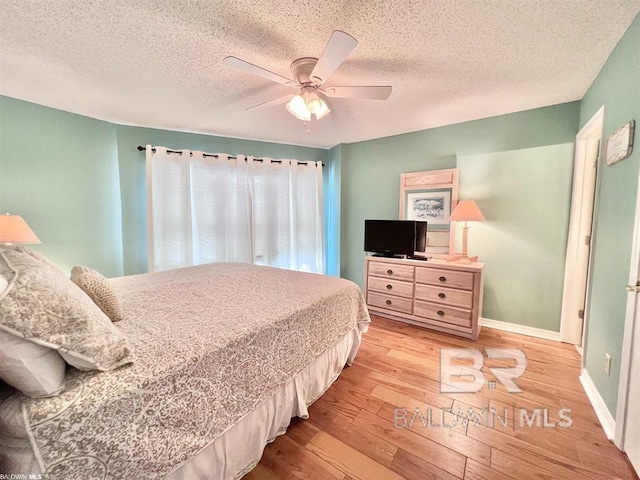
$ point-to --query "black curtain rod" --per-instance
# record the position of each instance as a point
(141, 149)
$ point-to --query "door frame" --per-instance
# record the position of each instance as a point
(573, 329)
(632, 322)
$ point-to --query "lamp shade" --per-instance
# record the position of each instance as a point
(466, 211)
(13, 229)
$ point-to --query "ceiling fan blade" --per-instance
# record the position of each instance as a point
(271, 103)
(261, 72)
(338, 48)
(368, 92)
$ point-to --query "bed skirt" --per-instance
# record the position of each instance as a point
(240, 448)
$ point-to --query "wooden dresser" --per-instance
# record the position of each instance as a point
(436, 294)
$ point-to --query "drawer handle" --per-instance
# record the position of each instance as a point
(389, 287)
(442, 295)
(443, 279)
(388, 302)
(389, 272)
(440, 313)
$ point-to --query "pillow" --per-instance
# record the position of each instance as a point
(33, 253)
(97, 287)
(43, 306)
(35, 370)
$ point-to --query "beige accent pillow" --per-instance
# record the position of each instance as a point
(43, 306)
(97, 287)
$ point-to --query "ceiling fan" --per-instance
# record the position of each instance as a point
(309, 76)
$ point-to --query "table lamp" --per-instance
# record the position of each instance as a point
(466, 211)
(13, 229)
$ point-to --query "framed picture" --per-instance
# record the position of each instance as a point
(431, 206)
(620, 143)
(430, 196)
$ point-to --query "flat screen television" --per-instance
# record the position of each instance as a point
(391, 238)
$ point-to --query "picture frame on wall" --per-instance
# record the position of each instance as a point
(431, 206)
(620, 143)
(431, 196)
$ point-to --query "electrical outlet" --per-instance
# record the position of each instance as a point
(607, 363)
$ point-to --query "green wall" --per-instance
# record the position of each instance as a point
(80, 182)
(525, 196)
(60, 172)
(333, 210)
(371, 183)
(133, 184)
(617, 87)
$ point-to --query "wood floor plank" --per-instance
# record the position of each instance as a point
(406, 388)
(537, 467)
(341, 428)
(450, 438)
(477, 471)
(358, 395)
(517, 451)
(355, 430)
(381, 363)
(301, 431)
(334, 402)
(412, 467)
(428, 450)
(285, 459)
(348, 459)
(410, 405)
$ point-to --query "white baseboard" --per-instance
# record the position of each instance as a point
(521, 329)
(606, 419)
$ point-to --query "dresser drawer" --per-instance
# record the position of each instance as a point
(394, 287)
(448, 296)
(391, 270)
(445, 278)
(399, 304)
(451, 315)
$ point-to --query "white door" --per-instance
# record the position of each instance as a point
(627, 435)
(632, 423)
(579, 241)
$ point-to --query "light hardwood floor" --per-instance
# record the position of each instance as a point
(356, 431)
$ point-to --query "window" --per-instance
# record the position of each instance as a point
(206, 208)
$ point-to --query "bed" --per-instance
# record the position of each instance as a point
(222, 356)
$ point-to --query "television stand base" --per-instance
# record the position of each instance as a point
(418, 257)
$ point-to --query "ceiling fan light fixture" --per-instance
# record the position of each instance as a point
(322, 110)
(314, 102)
(315, 105)
(307, 103)
(298, 108)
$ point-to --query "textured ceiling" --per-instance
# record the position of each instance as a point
(159, 63)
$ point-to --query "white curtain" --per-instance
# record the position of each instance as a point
(206, 208)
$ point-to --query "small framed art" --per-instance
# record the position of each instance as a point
(620, 143)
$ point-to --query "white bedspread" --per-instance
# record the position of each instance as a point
(211, 343)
